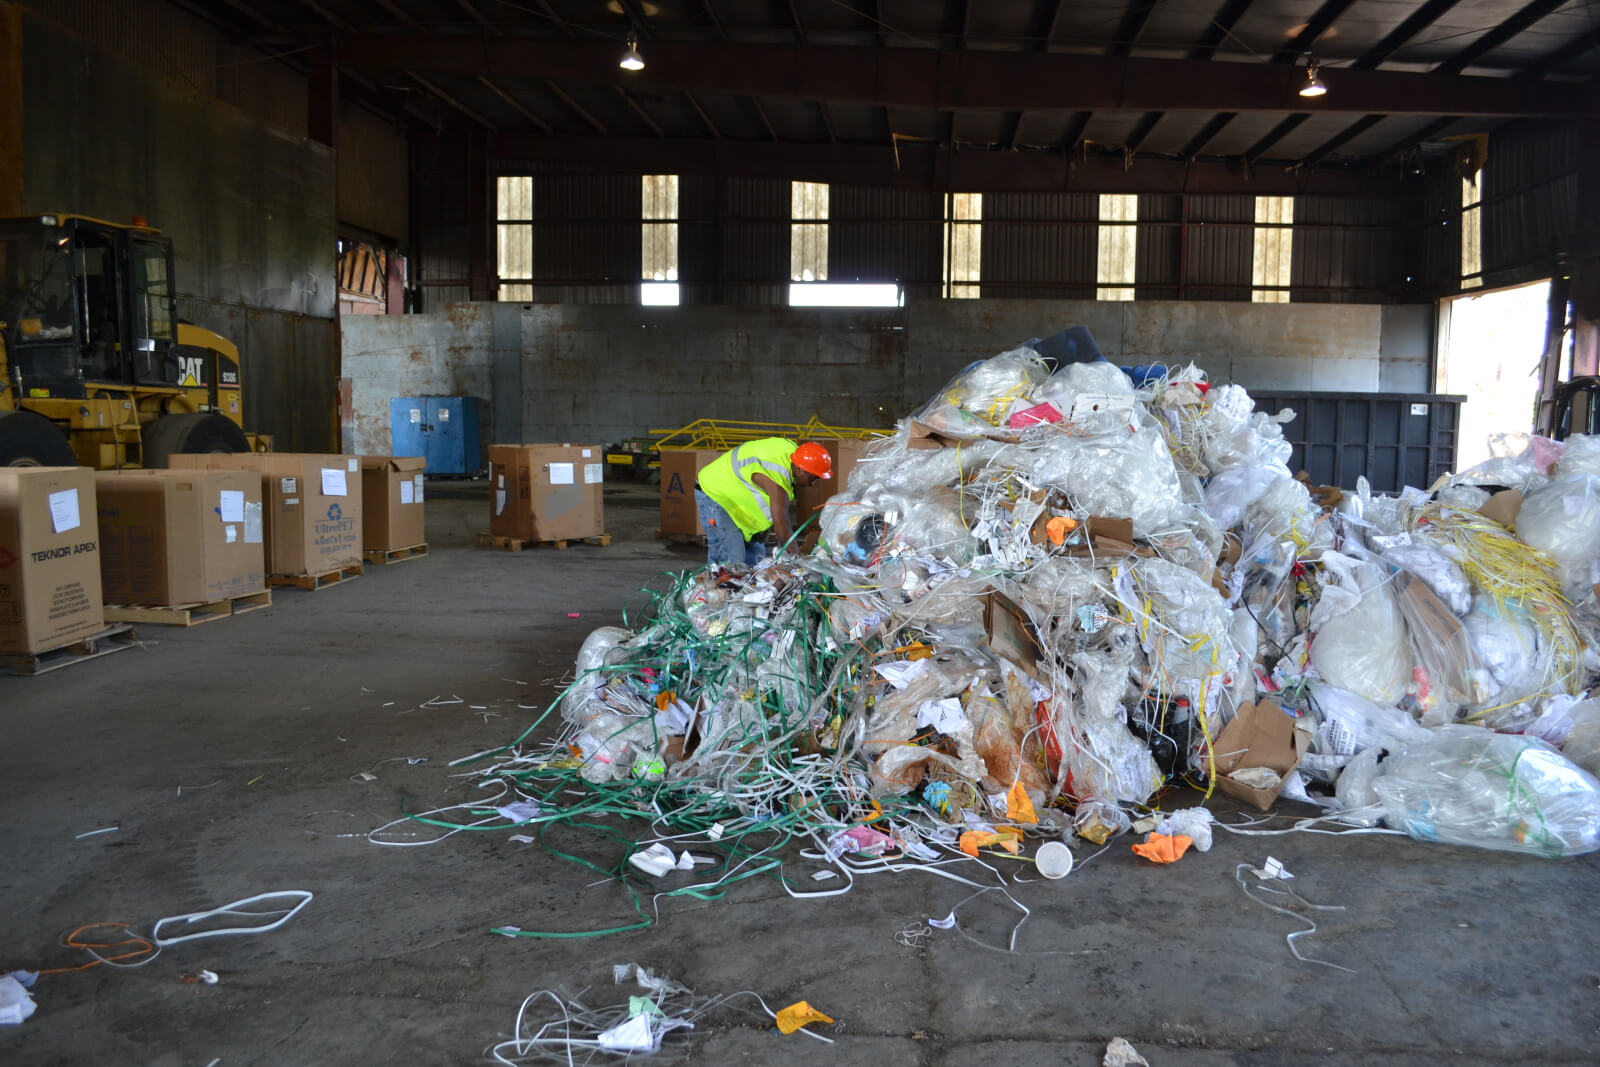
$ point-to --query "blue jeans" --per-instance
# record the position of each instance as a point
(725, 542)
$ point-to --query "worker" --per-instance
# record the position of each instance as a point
(743, 493)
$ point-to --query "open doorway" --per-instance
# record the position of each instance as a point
(1491, 347)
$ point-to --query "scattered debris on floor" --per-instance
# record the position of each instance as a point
(1049, 596)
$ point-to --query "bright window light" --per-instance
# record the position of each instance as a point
(659, 294)
(845, 295)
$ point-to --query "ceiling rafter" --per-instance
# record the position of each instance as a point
(765, 121)
(477, 16)
(517, 105)
(1527, 16)
(1215, 33)
(453, 102)
(1340, 139)
(641, 112)
(576, 108)
(698, 110)
(716, 23)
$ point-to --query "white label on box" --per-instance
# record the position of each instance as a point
(355, 464)
(288, 485)
(333, 483)
(587, 453)
(291, 502)
(1419, 409)
(252, 523)
(444, 414)
(592, 473)
(407, 492)
(418, 480)
(499, 501)
(64, 511)
(231, 506)
(230, 533)
(561, 474)
(416, 415)
(500, 480)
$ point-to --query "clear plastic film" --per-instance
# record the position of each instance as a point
(984, 396)
(1366, 649)
(1468, 786)
(1562, 519)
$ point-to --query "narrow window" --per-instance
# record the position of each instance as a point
(514, 237)
(808, 232)
(1118, 244)
(963, 245)
(659, 212)
(1274, 246)
(1471, 232)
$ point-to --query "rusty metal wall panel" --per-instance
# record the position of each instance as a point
(586, 237)
(887, 235)
(1530, 198)
(1160, 243)
(1220, 247)
(1346, 251)
(1040, 244)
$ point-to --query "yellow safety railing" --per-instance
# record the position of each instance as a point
(723, 434)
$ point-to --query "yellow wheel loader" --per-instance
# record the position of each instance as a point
(95, 368)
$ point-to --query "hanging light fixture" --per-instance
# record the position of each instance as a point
(1313, 85)
(631, 60)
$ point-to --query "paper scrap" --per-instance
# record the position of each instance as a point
(799, 1014)
(367, 776)
(716, 831)
(15, 1003)
(521, 839)
(1273, 868)
(231, 505)
(333, 482)
(824, 876)
(655, 861)
(901, 673)
(643, 1006)
(63, 517)
(408, 492)
(230, 533)
(520, 811)
(632, 1035)
(560, 474)
(943, 715)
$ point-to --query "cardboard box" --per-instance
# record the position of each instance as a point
(1260, 735)
(809, 500)
(1010, 632)
(312, 504)
(679, 467)
(391, 502)
(49, 558)
(1503, 507)
(170, 537)
(546, 492)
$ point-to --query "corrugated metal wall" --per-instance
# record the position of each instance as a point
(887, 235)
(1530, 201)
(734, 239)
(439, 226)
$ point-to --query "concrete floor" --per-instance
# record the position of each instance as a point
(1470, 956)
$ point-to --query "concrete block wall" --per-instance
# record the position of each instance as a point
(562, 372)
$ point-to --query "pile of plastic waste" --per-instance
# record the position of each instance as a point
(1051, 594)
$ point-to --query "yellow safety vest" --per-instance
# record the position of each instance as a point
(729, 480)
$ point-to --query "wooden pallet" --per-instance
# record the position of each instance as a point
(189, 614)
(314, 582)
(512, 544)
(395, 555)
(111, 639)
(677, 538)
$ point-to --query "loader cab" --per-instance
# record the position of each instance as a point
(85, 302)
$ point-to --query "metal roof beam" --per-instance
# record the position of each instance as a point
(477, 16)
(516, 105)
(1397, 38)
(453, 102)
(1498, 36)
(976, 79)
(1131, 25)
(931, 166)
(576, 108)
(1340, 139)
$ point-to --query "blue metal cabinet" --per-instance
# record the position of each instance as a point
(442, 429)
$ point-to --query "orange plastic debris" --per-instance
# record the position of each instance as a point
(1058, 528)
(1018, 807)
(799, 1014)
(1159, 848)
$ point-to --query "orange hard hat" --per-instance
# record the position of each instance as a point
(814, 459)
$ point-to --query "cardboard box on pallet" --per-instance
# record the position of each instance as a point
(546, 492)
(170, 537)
(312, 504)
(391, 502)
(679, 467)
(49, 558)
(845, 452)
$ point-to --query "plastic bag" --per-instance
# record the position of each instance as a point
(986, 394)
(1119, 475)
(1230, 494)
(1514, 661)
(1582, 743)
(1098, 820)
(1441, 573)
(1366, 650)
(1580, 457)
(1193, 823)
(1470, 786)
(591, 657)
(1562, 520)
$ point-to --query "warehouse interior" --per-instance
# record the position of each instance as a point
(811, 216)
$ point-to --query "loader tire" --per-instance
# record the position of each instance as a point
(192, 433)
(31, 440)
